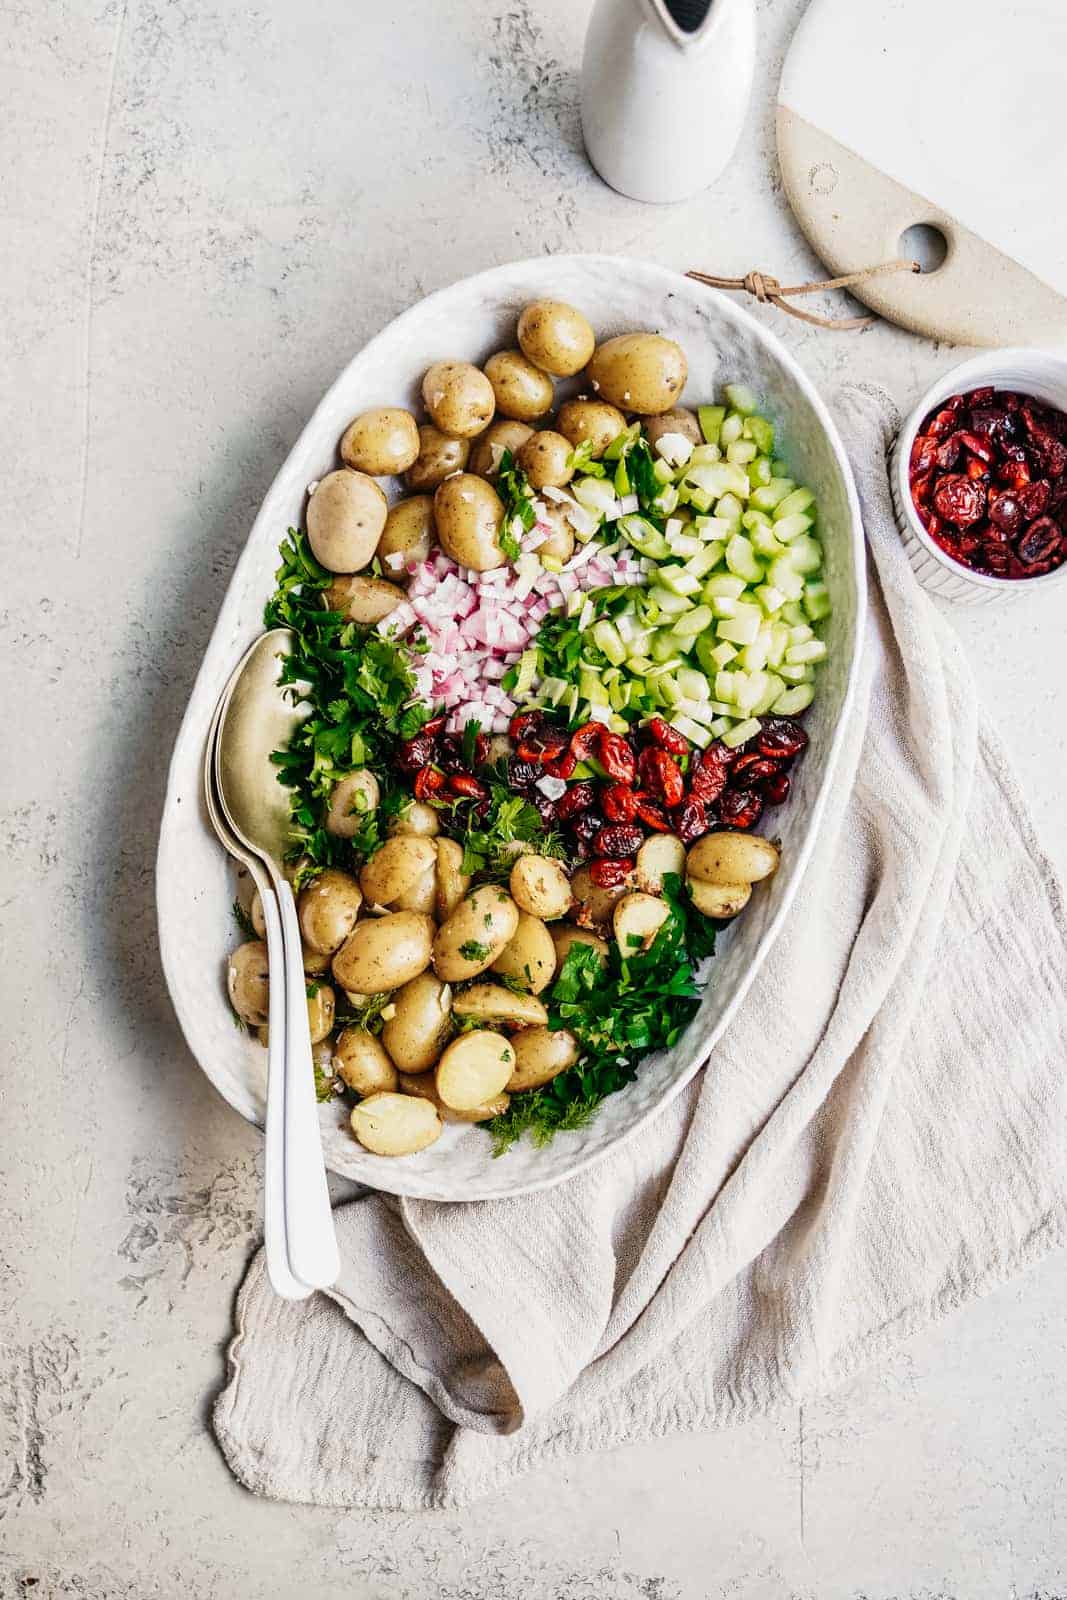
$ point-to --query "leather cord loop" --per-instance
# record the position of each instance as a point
(766, 290)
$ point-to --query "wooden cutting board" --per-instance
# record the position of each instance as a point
(944, 112)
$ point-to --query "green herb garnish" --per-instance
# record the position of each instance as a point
(244, 921)
(513, 487)
(471, 950)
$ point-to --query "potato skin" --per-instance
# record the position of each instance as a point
(395, 1124)
(529, 957)
(719, 900)
(523, 392)
(474, 1068)
(498, 437)
(382, 441)
(560, 542)
(592, 420)
(420, 1026)
(327, 910)
(451, 882)
(545, 459)
(395, 868)
(728, 858)
(416, 820)
(539, 885)
(321, 1007)
(247, 982)
(420, 896)
(482, 924)
(425, 1084)
(469, 514)
(491, 1002)
(678, 420)
(345, 518)
(439, 454)
(459, 398)
(361, 1062)
(555, 337)
(640, 372)
(384, 952)
(346, 815)
(638, 916)
(661, 853)
(362, 598)
(564, 935)
(541, 1054)
(408, 536)
(594, 904)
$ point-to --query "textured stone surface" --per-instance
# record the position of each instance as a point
(208, 207)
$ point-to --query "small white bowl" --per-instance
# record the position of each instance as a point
(1039, 373)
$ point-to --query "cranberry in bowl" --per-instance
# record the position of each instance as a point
(979, 478)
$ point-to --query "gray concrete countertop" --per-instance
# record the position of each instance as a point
(209, 207)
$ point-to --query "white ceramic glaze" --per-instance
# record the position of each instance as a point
(194, 880)
(1041, 373)
(662, 111)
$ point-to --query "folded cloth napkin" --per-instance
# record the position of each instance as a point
(878, 1138)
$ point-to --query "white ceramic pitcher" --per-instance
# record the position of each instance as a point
(665, 88)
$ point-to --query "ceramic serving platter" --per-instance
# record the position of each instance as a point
(195, 882)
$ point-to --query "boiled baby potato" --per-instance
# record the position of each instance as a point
(361, 1062)
(322, 1005)
(345, 518)
(559, 543)
(382, 441)
(590, 421)
(395, 1124)
(636, 920)
(541, 1054)
(491, 1002)
(451, 882)
(529, 957)
(555, 337)
(661, 854)
(459, 398)
(328, 909)
(545, 459)
(678, 420)
(594, 905)
(422, 894)
(732, 858)
(408, 536)
(469, 514)
(384, 952)
(425, 1084)
(475, 934)
(315, 962)
(439, 455)
(523, 392)
(421, 1022)
(640, 372)
(474, 1068)
(564, 936)
(540, 886)
(350, 801)
(248, 981)
(719, 900)
(490, 446)
(256, 917)
(416, 819)
(396, 867)
(362, 599)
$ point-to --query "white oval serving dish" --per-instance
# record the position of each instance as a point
(194, 878)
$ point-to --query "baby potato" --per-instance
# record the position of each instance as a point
(732, 858)
(256, 917)
(566, 935)
(382, 441)
(555, 337)
(408, 536)
(540, 886)
(247, 982)
(640, 372)
(523, 392)
(491, 1002)
(361, 1062)
(678, 420)
(395, 1124)
(529, 957)
(315, 962)
(345, 518)
(545, 459)
(419, 1028)
(439, 455)
(396, 867)
(362, 599)
(459, 398)
(469, 513)
(594, 904)
(661, 853)
(384, 952)
(541, 1054)
(592, 420)
(490, 446)
(424, 1084)
(475, 934)
(328, 909)
(350, 802)
(719, 900)
(321, 1007)
(474, 1068)
(416, 820)
(451, 882)
(560, 542)
(422, 894)
(636, 920)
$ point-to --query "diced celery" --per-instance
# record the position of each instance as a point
(759, 473)
(721, 654)
(721, 477)
(793, 613)
(741, 559)
(554, 689)
(639, 665)
(707, 557)
(720, 727)
(788, 528)
(775, 687)
(685, 544)
(646, 539)
(743, 626)
(741, 452)
(726, 686)
(798, 501)
(741, 398)
(693, 684)
(595, 494)
(794, 700)
(741, 733)
(699, 498)
(721, 604)
(692, 730)
(817, 601)
(729, 508)
(781, 469)
(570, 700)
(591, 688)
(662, 648)
(778, 643)
(667, 500)
(703, 455)
(668, 688)
(771, 495)
(801, 674)
(715, 529)
(622, 441)
(730, 431)
(693, 622)
(622, 477)
(769, 597)
(752, 691)
(663, 668)
(699, 710)
(552, 563)
(763, 541)
(805, 555)
(811, 650)
(606, 638)
(754, 655)
(662, 471)
(800, 633)
(726, 584)
(711, 420)
(761, 432)
(619, 696)
(677, 580)
(780, 575)
(525, 672)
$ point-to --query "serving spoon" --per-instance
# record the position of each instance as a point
(254, 718)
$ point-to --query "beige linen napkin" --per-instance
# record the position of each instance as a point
(878, 1138)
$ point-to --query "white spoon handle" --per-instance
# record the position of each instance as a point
(309, 1230)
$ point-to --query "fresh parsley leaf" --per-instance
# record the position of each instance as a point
(243, 921)
(513, 487)
(471, 950)
(469, 742)
(581, 460)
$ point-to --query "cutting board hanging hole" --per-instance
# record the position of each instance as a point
(925, 243)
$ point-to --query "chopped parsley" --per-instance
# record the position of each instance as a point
(243, 921)
(471, 950)
(510, 819)
(513, 487)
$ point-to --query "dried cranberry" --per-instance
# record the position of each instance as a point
(586, 825)
(751, 769)
(948, 451)
(667, 738)
(414, 754)
(691, 821)
(1034, 499)
(610, 874)
(707, 778)
(976, 446)
(547, 809)
(923, 454)
(959, 500)
(741, 808)
(450, 757)
(541, 745)
(584, 740)
(780, 738)
(618, 839)
(981, 397)
(650, 812)
(1039, 543)
(524, 722)
(619, 802)
(563, 766)
(660, 773)
(1006, 512)
(428, 782)
(776, 790)
(616, 757)
(467, 787)
(579, 797)
(522, 775)
(945, 420)
(434, 726)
